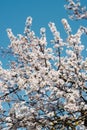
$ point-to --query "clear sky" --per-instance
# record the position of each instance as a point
(13, 14)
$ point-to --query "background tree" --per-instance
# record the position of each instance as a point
(45, 87)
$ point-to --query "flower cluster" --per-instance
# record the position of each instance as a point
(43, 89)
(76, 11)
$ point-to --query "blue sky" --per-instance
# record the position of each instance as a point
(13, 14)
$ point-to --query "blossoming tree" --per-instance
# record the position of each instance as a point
(44, 89)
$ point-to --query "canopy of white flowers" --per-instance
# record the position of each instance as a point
(44, 89)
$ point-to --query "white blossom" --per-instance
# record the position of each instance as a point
(44, 85)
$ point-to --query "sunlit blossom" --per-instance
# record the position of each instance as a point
(43, 86)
